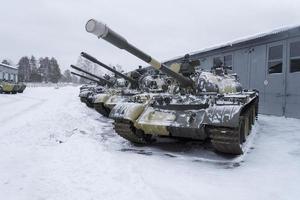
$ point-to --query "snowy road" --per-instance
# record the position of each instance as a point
(54, 147)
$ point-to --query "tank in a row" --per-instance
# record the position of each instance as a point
(121, 87)
(9, 87)
(180, 101)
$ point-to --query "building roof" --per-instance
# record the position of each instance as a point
(8, 66)
(284, 31)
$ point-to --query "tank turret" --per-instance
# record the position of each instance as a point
(103, 31)
(102, 80)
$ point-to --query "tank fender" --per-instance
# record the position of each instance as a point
(101, 98)
(129, 111)
(223, 115)
(115, 99)
(155, 121)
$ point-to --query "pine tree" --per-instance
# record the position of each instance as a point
(35, 76)
(33, 63)
(67, 76)
(44, 69)
(85, 65)
(55, 73)
(24, 69)
(75, 79)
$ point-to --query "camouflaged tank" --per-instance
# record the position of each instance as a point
(7, 87)
(87, 92)
(203, 106)
(127, 112)
(123, 88)
(138, 82)
(83, 90)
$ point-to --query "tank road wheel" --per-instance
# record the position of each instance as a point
(125, 129)
(243, 128)
(256, 108)
(228, 140)
(250, 116)
(247, 125)
(253, 115)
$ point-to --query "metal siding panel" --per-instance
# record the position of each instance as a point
(257, 63)
(257, 68)
(240, 66)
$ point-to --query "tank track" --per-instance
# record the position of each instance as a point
(89, 104)
(125, 129)
(228, 140)
(83, 99)
(100, 108)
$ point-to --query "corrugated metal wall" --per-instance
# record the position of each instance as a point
(279, 90)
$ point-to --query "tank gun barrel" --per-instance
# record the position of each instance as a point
(94, 60)
(103, 31)
(93, 75)
(85, 77)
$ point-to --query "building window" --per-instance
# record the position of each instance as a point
(228, 61)
(223, 60)
(218, 61)
(275, 59)
(295, 57)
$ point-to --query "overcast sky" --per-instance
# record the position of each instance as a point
(162, 28)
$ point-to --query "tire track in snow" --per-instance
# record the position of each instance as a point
(23, 111)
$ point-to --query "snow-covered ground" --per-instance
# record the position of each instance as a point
(54, 147)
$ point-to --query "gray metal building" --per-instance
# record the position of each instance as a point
(267, 62)
(8, 72)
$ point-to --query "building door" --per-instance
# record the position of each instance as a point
(292, 106)
(275, 79)
(257, 75)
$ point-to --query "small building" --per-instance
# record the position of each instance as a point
(8, 73)
(269, 63)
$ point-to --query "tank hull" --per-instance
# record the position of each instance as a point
(16, 88)
(226, 126)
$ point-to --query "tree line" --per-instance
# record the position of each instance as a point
(47, 69)
(44, 69)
